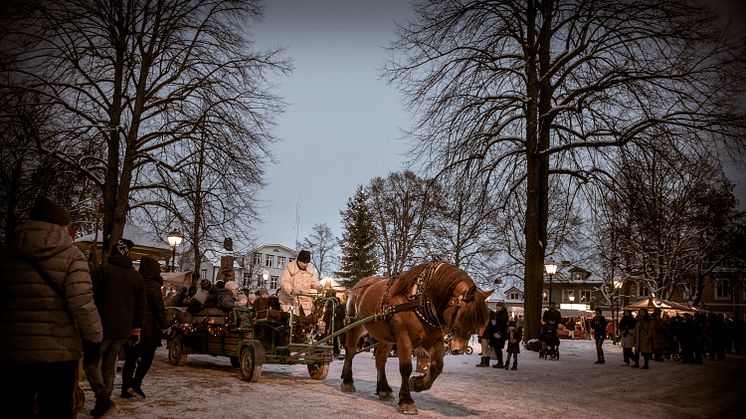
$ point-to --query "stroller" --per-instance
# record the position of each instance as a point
(549, 343)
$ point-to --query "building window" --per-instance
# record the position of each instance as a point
(280, 262)
(269, 261)
(514, 295)
(642, 291)
(203, 273)
(585, 296)
(545, 296)
(260, 281)
(577, 276)
(273, 282)
(722, 289)
(257, 258)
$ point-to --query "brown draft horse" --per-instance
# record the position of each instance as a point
(413, 310)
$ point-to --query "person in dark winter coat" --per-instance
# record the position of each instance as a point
(498, 332)
(43, 334)
(227, 296)
(643, 339)
(513, 336)
(598, 324)
(659, 332)
(627, 330)
(120, 298)
(154, 320)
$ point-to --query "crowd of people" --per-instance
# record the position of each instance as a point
(60, 313)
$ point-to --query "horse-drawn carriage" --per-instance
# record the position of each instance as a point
(414, 311)
(250, 337)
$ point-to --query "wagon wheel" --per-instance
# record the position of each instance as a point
(250, 368)
(176, 355)
(318, 370)
(235, 362)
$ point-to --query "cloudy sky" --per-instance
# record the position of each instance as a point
(343, 124)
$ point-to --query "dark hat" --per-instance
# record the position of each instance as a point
(304, 256)
(46, 210)
(122, 247)
(149, 267)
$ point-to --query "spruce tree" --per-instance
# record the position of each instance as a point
(358, 241)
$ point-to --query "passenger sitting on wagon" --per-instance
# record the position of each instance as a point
(212, 298)
(227, 296)
(197, 301)
(298, 277)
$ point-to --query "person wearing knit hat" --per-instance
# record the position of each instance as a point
(121, 301)
(298, 278)
(46, 210)
(49, 320)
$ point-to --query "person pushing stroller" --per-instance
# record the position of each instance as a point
(549, 337)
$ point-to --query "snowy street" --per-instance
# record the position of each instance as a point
(572, 387)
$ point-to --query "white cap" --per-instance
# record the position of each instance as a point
(231, 285)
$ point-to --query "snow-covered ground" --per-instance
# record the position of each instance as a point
(572, 387)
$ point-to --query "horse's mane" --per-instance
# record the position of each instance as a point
(440, 287)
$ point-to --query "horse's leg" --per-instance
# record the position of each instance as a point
(404, 350)
(383, 390)
(350, 345)
(424, 382)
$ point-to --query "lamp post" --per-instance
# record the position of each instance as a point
(551, 268)
(174, 240)
(615, 315)
(572, 299)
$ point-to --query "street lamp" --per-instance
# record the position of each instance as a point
(174, 240)
(551, 268)
(265, 277)
(572, 298)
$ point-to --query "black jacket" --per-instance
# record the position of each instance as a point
(120, 297)
(154, 318)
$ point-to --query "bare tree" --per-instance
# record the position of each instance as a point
(459, 227)
(321, 243)
(141, 77)
(526, 90)
(401, 205)
(667, 221)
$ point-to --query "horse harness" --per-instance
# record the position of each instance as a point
(420, 302)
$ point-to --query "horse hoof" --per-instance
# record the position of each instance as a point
(408, 409)
(385, 395)
(416, 384)
(348, 388)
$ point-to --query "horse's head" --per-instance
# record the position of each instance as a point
(466, 313)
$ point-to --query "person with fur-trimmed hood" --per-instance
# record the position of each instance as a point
(141, 356)
(120, 297)
(49, 319)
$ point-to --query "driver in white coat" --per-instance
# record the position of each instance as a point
(298, 277)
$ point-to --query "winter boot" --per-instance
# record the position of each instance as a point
(102, 406)
(515, 364)
(507, 363)
(485, 362)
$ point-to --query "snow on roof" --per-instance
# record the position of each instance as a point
(135, 233)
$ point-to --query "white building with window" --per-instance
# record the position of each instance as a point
(270, 259)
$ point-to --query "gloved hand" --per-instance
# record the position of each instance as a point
(91, 351)
(134, 336)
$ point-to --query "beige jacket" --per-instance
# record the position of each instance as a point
(36, 327)
(295, 281)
